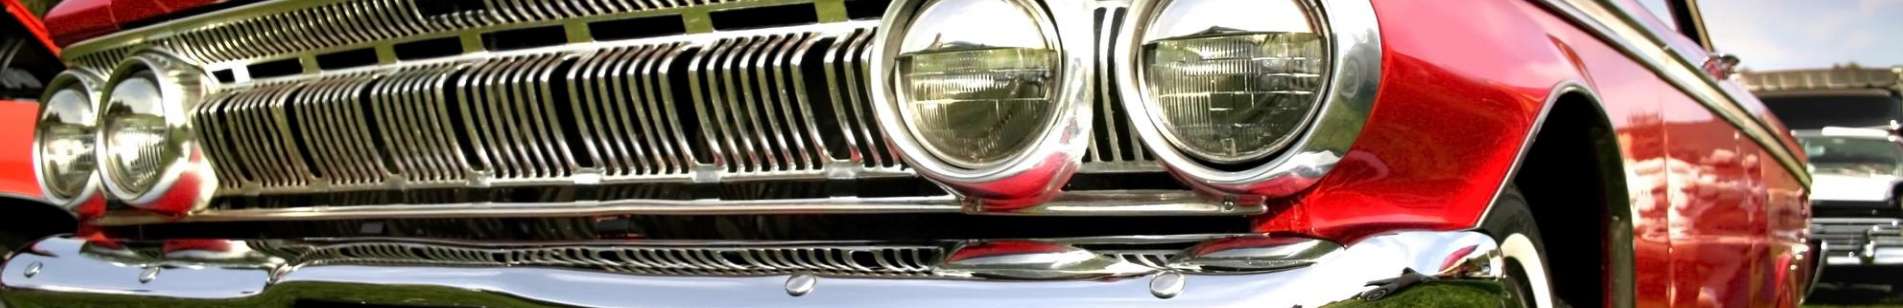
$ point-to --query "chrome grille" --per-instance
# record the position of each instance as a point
(1853, 236)
(626, 119)
(414, 118)
(708, 107)
(886, 261)
(1113, 143)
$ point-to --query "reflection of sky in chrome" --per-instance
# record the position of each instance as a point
(1184, 17)
(1784, 34)
(994, 23)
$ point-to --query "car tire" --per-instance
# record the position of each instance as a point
(1511, 224)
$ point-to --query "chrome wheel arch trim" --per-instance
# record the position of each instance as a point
(1620, 206)
(1354, 41)
(1036, 173)
(89, 83)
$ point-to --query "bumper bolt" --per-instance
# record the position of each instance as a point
(1167, 284)
(32, 270)
(801, 283)
(149, 274)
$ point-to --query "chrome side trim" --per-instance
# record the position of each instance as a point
(1084, 203)
(1619, 29)
(1354, 39)
(1466, 261)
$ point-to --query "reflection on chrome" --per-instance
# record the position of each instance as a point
(388, 271)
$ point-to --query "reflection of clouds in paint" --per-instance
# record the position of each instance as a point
(1781, 34)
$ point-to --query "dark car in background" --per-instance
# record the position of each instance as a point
(1841, 96)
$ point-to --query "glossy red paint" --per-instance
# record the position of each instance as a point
(16, 142)
(1717, 220)
(32, 23)
(77, 20)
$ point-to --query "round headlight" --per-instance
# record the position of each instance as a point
(137, 148)
(976, 79)
(64, 141)
(1232, 81)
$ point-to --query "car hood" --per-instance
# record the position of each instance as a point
(1851, 187)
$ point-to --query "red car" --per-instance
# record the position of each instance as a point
(909, 153)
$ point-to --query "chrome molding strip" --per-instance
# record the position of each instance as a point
(301, 29)
(1617, 28)
(62, 268)
(1085, 203)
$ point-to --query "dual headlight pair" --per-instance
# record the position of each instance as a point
(129, 138)
(982, 92)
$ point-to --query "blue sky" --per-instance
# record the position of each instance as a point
(1786, 34)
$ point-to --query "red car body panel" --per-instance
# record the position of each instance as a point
(1458, 97)
(17, 118)
(78, 20)
(1717, 220)
(16, 150)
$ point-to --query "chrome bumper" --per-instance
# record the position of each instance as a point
(1860, 241)
(1462, 268)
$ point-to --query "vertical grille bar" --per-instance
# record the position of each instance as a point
(345, 151)
(616, 104)
(508, 103)
(411, 107)
(845, 63)
(1112, 137)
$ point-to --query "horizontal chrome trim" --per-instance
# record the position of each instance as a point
(1618, 28)
(1076, 203)
(1466, 259)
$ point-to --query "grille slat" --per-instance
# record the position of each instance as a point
(412, 104)
(844, 65)
(1113, 139)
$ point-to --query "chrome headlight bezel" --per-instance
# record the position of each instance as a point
(1035, 172)
(1351, 39)
(179, 86)
(87, 86)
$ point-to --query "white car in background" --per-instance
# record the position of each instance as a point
(1854, 203)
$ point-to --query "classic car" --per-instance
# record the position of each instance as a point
(1855, 209)
(919, 153)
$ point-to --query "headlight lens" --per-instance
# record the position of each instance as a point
(65, 134)
(976, 79)
(137, 149)
(1232, 81)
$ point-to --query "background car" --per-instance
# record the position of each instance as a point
(1854, 203)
